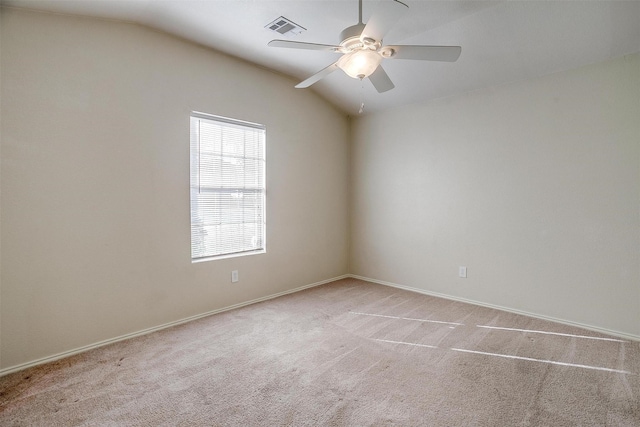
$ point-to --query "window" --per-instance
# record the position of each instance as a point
(227, 187)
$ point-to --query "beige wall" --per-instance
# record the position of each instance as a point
(534, 186)
(95, 182)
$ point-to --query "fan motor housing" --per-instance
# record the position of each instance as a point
(350, 37)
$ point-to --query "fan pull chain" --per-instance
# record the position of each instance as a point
(361, 96)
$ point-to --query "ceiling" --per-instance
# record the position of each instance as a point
(502, 41)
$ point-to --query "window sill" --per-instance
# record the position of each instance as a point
(218, 257)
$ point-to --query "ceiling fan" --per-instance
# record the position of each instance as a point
(362, 49)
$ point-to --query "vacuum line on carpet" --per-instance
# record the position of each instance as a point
(550, 333)
(507, 356)
(400, 342)
(408, 318)
(530, 359)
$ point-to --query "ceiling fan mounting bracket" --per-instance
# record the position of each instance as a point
(368, 41)
(387, 52)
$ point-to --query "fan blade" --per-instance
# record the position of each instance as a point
(425, 53)
(381, 80)
(383, 19)
(317, 76)
(303, 45)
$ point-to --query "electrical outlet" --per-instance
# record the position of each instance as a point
(462, 272)
(234, 276)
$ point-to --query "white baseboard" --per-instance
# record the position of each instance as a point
(64, 354)
(619, 334)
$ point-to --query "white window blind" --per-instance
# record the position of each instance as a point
(227, 187)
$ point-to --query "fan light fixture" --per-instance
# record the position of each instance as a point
(360, 63)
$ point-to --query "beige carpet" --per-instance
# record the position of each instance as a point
(348, 353)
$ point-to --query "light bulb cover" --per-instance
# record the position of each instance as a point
(360, 63)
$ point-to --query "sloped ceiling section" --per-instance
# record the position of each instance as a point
(502, 41)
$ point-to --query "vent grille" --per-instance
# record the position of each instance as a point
(285, 26)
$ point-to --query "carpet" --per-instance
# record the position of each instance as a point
(347, 353)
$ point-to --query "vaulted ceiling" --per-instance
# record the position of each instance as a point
(502, 41)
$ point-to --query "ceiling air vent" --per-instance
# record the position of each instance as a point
(285, 27)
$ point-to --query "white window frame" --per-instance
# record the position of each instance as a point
(203, 219)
